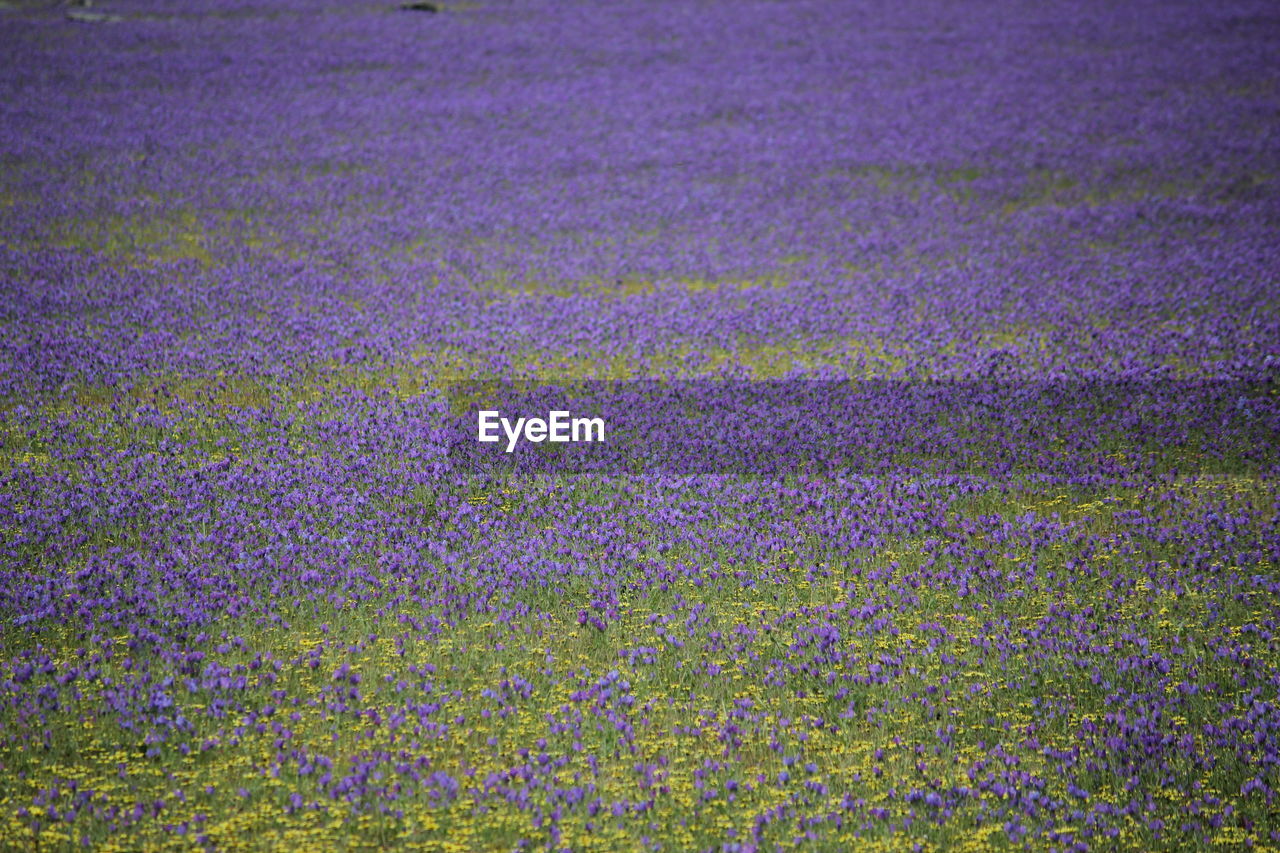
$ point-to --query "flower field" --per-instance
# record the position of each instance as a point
(937, 343)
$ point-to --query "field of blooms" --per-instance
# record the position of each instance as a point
(938, 343)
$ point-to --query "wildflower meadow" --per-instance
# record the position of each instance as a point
(932, 346)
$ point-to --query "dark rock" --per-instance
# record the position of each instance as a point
(419, 7)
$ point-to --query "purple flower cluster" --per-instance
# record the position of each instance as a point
(937, 345)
